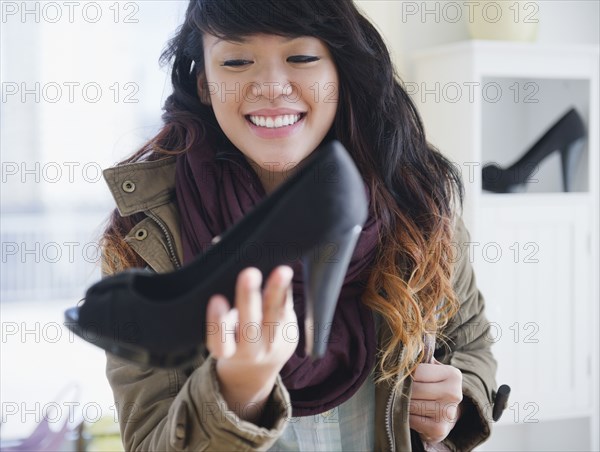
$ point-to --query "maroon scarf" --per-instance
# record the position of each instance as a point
(216, 190)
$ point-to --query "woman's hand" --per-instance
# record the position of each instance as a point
(435, 401)
(253, 340)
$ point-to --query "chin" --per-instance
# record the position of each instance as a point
(279, 156)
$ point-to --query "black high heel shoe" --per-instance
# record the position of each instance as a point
(561, 136)
(159, 319)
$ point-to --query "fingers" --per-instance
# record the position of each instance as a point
(437, 382)
(239, 331)
(435, 396)
(248, 300)
(430, 431)
(432, 419)
(221, 323)
(433, 410)
(432, 373)
(277, 294)
(444, 391)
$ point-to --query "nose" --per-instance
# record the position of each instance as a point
(272, 82)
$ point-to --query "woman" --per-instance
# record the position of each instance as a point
(257, 87)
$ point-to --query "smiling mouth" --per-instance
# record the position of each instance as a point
(275, 122)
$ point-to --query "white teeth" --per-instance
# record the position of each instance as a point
(274, 122)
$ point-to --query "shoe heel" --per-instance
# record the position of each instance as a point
(324, 268)
(565, 166)
(569, 156)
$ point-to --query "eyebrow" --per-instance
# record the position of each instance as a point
(242, 40)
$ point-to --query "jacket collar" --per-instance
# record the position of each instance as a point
(140, 186)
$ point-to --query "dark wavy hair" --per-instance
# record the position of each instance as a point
(415, 191)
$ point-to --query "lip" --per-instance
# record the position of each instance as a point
(280, 132)
(274, 112)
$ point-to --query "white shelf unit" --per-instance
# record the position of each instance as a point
(535, 251)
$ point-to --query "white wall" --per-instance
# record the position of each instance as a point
(409, 26)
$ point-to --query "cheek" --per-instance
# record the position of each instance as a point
(321, 91)
(224, 114)
(224, 90)
(226, 99)
(331, 95)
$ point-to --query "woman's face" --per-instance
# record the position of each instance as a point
(274, 97)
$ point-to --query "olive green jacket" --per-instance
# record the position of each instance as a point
(182, 409)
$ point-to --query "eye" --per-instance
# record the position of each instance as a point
(236, 63)
(302, 59)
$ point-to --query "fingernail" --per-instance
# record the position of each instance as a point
(214, 298)
(231, 316)
(254, 277)
(286, 273)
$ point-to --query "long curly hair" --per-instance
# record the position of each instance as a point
(416, 192)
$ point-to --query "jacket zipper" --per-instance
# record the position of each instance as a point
(388, 418)
(169, 238)
(389, 408)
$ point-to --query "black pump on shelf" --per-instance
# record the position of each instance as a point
(561, 136)
(158, 319)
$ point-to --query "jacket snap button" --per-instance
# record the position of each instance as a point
(180, 432)
(128, 186)
(141, 234)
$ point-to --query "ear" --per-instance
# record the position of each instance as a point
(202, 87)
